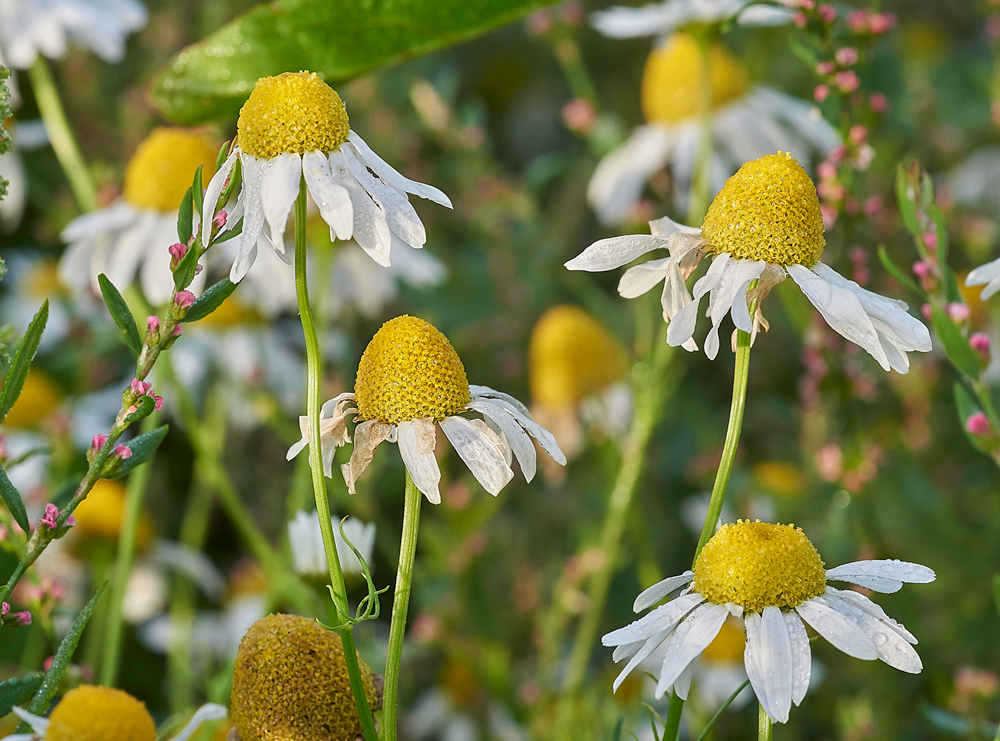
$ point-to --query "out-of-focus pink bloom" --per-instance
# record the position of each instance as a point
(821, 93)
(827, 13)
(579, 116)
(858, 20)
(799, 19)
(878, 102)
(572, 13)
(981, 344)
(881, 22)
(930, 241)
(846, 56)
(921, 269)
(872, 205)
(858, 134)
(830, 190)
(829, 213)
(183, 299)
(825, 68)
(847, 81)
(957, 312)
(826, 170)
(851, 206)
(926, 311)
(978, 424)
(540, 23)
(22, 618)
(837, 154)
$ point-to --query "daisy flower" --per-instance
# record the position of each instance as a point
(294, 126)
(771, 577)
(661, 19)
(133, 235)
(25, 135)
(89, 711)
(748, 121)
(762, 227)
(410, 382)
(309, 555)
(32, 27)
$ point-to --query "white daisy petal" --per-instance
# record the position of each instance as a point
(620, 177)
(515, 435)
(988, 275)
(416, 439)
(644, 651)
(545, 438)
(371, 230)
(776, 663)
(399, 213)
(682, 686)
(155, 276)
(640, 279)
(487, 392)
(213, 192)
(476, 445)
(626, 650)
(367, 437)
(837, 628)
(667, 227)
(608, 254)
(801, 655)
(736, 275)
(38, 724)
(886, 576)
(751, 662)
(331, 198)
(691, 638)
(651, 595)
(892, 648)
(130, 248)
(278, 192)
(391, 176)
(649, 20)
(662, 619)
(254, 171)
(115, 217)
(204, 714)
(863, 603)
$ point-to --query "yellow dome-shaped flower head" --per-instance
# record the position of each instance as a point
(39, 398)
(163, 166)
(99, 517)
(290, 682)
(91, 713)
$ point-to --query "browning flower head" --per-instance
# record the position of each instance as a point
(767, 211)
(571, 357)
(290, 683)
(410, 371)
(672, 78)
(91, 713)
(163, 166)
(293, 112)
(757, 565)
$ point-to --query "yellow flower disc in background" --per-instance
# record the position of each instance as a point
(101, 514)
(39, 398)
(91, 713)
(163, 167)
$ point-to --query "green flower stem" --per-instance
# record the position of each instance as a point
(61, 135)
(701, 182)
(567, 53)
(650, 396)
(764, 727)
(127, 537)
(740, 377)
(718, 714)
(400, 605)
(314, 363)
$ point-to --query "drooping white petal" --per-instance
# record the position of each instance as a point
(863, 603)
(691, 637)
(545, 438)
(612, 253)
(626, 650)
(331, 198)
(640, 279)
(775, 658)
(254, 171)
(651, 595)
(477, 446)
(155, 276)
(488, 393)
(278, 192)
(733, 281)
(416, 439)
(667, 227)
(751, 660)
(620, 177)
(367, 437)
(841, 309)
(682, 685)
(892, 647)
(212, 193)
(681, 328)
(130, 248)
(371, 230)
(204, 714)
(886, 576)
(801, 655)
(115, 217)
(399, 213)
(391, 176)
(837, 628)
(803, 116)
(644, 651)
(38, 724)
(988, 275)
(662, 619)
(515, 435)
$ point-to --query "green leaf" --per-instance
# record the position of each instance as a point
(906, 197)
(121, 314)
(966, 407)
(18, 690)
(210, 300)
(951, 289)
(60, 662)
(198, 192)
(942, 232)
(226, 236)
(12, 498)
(186, 269)
(956, 345)
(895, 271)
(19, 367)
(185, 218)
(339, 39)
(142, 446)
(996, 592)
(143, 408)
(223, 154)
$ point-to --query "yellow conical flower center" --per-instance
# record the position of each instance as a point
(757, 565)
(409, 371)
(102, 513)
(293, 112)
(671, 82)
(290, 682)
(728, 645)
(39, 398)
(570, 357)
(90, 713)
(163, 167)
(767, 211)
(42, 279)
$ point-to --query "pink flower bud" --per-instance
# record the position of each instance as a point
(882, 22)
(198, 268)
(141, 388)
(958, 313)
(572, 13)
(579, 116)
(158, 403)
(178, 331)
(540, 23)
(980, 342)
(123, 452)
(152, 324)
(799, 19)
(837, 154)
(22, 618)
(827, 13)
(858, 134)
(872, 205)
(821, 93)
(857, 20)
(183, 299)
(930, 241)
(878, 102)
(825, 68)
(846, 56)
(219, 220)
(48, 520)
(826, 170)
(4, 609)
(177, 251)
(829, 213)
(921, 269)
(847, 81)
(978, 424)
(132, 409)
(99, 441)
(926, 311)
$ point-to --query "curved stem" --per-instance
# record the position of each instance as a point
(314, 372)
(701, 183)
(764, 727)
(61, 135)
(400, 605)
(718, 714)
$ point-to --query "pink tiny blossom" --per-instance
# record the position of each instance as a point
(851, 206)
(847, 81)
(825, 68)
(132, 409)
(826, 170)
(99, 441)
(540, 23)
(49, 518)
(978, 424)
(799, 19)
(178, 331)
(579, 115)
(158, 403)
(152, 324)
(572, 13)
(177, 251)
(957, 312)
(827, 13)
(981, 344)
(882, 22)
(837, 154)
(183, 299)
(921, 269)
(872, 205)
(858, 134)
(930, 241)
(4, 609)
(821, 93)
(141, 388)
(858, 20)
(846, 56)
(22, 618)
(878, 102)
(927, 311)
(219, 220)
(198, 268)
(47, 663)
(71, 521)
(829, 213)
(830, 190)
(123, 452)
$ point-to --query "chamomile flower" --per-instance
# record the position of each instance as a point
(660, 19)
(133, 235)
(309, 554)
(762, 227)
(294, 126)
(748, 121)
(771, 577)
(32, 27)
(410, 382)
(25, 136)
(89, 711)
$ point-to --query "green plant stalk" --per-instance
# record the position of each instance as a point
(134, 496)
(764, 727)
(314, 363)
(718, 714)
(61, 135)
(400, 605)
(567, 53)
(740, 378)
(648, 410)
(701, 183)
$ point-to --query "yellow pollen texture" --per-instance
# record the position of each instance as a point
(90, 713)
(671, 82)
(163, 167)
(409, 371)
(767, 211)
(293, 112)
(570, 357)
(757, 565)
(290, 683)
